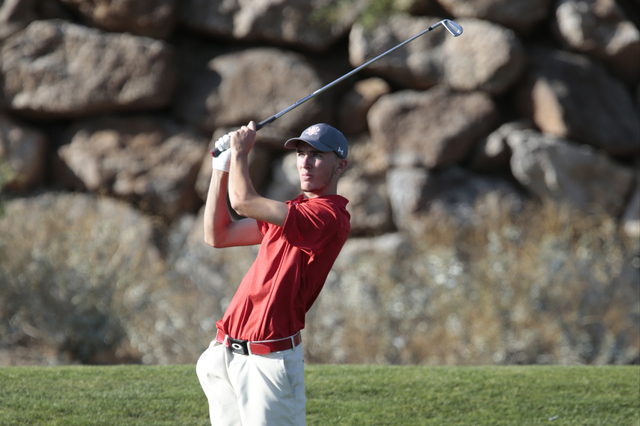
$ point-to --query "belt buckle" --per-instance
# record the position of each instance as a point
(239, 346)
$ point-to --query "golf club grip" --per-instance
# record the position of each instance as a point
(263, 123)
(215, 152)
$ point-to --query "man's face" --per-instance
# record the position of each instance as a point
(317, 170)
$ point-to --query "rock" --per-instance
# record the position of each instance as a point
(55, 69)
(295, 23)
(405, 192)
(489, 58)
(600, 29)
(414, 7)
(285, 181)
(268, 80)
(486, 57)
(574, 98)
(17, 14)
(565, 172)
(150, 160)
(14, 16)
(452, 192)
(367, 156)
(151, 18)
(492, 154)
(368, 203)
(436, 127)
(355, 104)
(519, 15)
(24, 149)
(631, 218)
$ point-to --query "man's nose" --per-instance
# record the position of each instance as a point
(306, 162)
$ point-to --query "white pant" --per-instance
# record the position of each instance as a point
(252, 390)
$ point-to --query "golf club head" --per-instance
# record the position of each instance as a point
(454, 28)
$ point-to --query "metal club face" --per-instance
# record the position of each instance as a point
(454, 28)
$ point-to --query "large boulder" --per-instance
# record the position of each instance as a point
(368, 203)
(485, 57)
(573, 97)
(296, 23)
(492, 154)
(355, 104)
(285, 180)
(600, 29)
(24, 149)
(566, 172)
(519, 15)
(452, 192)
(151, 18)
(253, 84)
(59, 69)
(435, 127)
(149, 160)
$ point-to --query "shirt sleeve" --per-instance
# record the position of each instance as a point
(309, 226)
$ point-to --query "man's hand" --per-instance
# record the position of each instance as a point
(221, 162)
(242, 140)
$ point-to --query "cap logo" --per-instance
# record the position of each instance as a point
(313, 130)
(341, 152)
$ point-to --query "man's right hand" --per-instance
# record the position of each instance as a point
(242, 140)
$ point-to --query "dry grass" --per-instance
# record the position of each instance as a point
(545, 285)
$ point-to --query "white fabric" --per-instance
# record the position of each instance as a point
(253, 390)
(221, 162)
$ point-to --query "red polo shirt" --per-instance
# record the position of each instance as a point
(292, 265)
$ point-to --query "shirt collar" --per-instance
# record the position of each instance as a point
(336, 199)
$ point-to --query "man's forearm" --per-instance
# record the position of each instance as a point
(216, 214)
(241, 190)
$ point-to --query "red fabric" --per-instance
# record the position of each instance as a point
(290, 270)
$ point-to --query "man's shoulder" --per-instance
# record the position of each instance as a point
(331, 201)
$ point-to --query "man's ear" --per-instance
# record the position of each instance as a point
(342, 165)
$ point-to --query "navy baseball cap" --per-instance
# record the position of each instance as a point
(322, 137)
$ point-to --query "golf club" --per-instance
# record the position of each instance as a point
(453, 28)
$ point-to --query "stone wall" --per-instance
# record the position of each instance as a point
(117, 104)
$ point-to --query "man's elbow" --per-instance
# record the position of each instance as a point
(214, 241)
(239, 205)
(209, 241)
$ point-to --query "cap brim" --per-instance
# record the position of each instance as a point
(293, 142)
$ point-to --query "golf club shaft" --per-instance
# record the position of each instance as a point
(451, 26)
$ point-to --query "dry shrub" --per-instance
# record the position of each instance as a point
(73, 271)
(545, 284)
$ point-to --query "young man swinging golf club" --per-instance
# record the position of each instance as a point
(253, 373)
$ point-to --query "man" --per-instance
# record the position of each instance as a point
(252, 373)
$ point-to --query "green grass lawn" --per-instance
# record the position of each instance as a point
(336, 395)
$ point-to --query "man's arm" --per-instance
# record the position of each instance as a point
(244, 198)
(219, 229)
